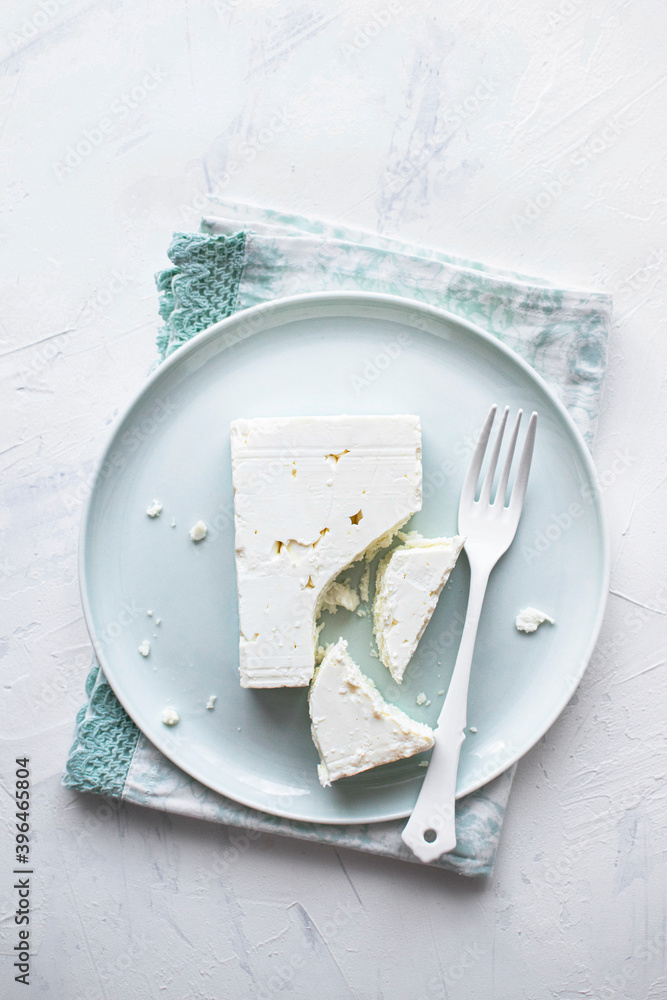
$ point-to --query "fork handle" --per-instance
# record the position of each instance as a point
(434, 812)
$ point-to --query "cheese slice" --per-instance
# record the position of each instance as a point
(353, 727)
(311, 494)
(408, 584)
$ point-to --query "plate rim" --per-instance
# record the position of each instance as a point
(348, 298)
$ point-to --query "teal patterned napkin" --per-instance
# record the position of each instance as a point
(246, 256)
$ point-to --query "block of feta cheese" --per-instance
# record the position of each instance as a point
(311, 495)
(409, 581)
(353, 727)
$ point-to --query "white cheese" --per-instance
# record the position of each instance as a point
(353, 727)
(154, 509)
(311, 494)
(421, 698)
(210, 704)
(529, 619)
(339, 595)
(145, 647)
(198, 531)
(408, 584)
(365, 584)
(170, 716)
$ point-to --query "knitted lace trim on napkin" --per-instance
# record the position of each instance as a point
(202, 287)
(104, 742)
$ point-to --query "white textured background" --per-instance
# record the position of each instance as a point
(549, 156)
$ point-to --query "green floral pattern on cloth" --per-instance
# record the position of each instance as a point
(247, 256)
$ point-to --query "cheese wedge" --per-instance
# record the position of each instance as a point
(311, 495)
(353, 727)
(408, 584)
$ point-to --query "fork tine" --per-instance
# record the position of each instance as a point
(502, 485)
(472, 475)
(521, 481)
(485, 495)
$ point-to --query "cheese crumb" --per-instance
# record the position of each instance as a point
(422, 763)
(441, 691)
(173, 522)
(170, 716)
(145, 647)
(158, 621)
(529, 619)
(365, 584)
(150, 614)
(155, 509)
(211, 701)
(321, 652)
(421, 698)
(339, 595)
(198, 531)
(472, 729)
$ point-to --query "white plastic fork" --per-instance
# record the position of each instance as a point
(489, 528)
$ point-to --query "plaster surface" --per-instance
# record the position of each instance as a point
(529, 135)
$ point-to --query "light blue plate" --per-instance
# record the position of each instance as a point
(328, 354)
